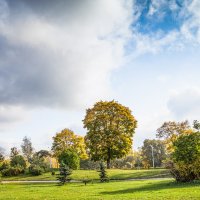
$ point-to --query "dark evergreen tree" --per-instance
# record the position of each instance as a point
(102, 173)
(65, 173)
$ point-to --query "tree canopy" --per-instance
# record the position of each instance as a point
(110, 129)
(67, 139)
(171, 130)
(69, 158)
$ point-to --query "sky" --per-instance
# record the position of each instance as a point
(57, 58)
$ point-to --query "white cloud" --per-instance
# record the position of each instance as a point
(185, 104)
(187, 14)
(11, 114)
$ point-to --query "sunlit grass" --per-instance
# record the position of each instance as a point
(118, 190)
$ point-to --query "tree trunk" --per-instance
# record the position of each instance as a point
(108, 163)
(108, 159)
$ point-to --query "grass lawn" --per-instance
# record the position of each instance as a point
(118, 190)
(93, 174)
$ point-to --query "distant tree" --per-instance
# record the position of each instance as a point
(171, 130)
(124, 163)
(102, 173)
(27, 148)
(88, 164)
(110, 129)
(13, 152)
(43, 153)
(37, 161)
(67, 139)
(64, 175)
(138, 158)
(159, 152)
(18, 160)
(69, 158)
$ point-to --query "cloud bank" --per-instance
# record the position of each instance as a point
(60, 53)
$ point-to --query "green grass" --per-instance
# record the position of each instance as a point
(93, 174)
(118, 190)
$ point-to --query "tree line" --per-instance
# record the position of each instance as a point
(110, 128)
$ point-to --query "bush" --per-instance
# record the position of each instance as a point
(182, 172)
(18, 160)
(12, 171)
(186, 158)
(69, 158)
(35, 170)
(4, 165)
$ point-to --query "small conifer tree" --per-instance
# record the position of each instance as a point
(65, 173)
(102, 173)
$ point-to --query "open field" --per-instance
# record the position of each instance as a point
(118, 190)
(93, 174)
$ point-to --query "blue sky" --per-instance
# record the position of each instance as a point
(60, 57)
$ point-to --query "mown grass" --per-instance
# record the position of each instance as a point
(118, 190)
(115, 174)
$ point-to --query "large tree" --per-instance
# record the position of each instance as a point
(110, 129)
(67, 139)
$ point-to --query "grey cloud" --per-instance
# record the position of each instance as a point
(59, 53)
(60, 10)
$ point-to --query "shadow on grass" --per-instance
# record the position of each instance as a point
(153, 187)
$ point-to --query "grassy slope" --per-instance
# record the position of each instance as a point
(93, 174)
(140, 190)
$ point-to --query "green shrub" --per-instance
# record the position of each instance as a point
(69, 158)
(12, 171)
(4, 165)
(186, 158)
(35, 170)
(18, 160)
